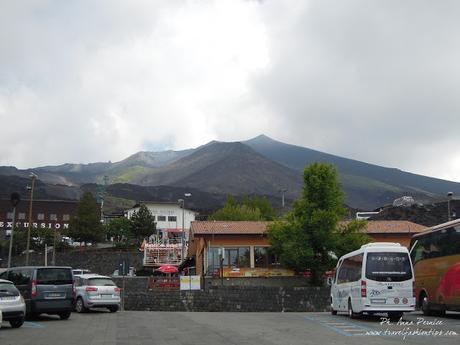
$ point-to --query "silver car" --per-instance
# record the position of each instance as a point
(12, 304)
(96, 291)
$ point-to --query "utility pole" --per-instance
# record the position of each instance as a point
(34, 177)
(15, 198)
(449, 198)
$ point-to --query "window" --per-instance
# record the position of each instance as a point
(53, 216)
(21, 215)
(54, 276)
(19, 276)
(265, 257)
(388, 267)
(41, 216)
(172, 219)
(162, 218)
(350, 270)
(237, 257)
(9, 215)
(65, 217)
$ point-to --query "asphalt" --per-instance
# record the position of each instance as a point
(123, 328)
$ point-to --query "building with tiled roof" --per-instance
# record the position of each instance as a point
(400, 231)
(243, 250)
(236, 248)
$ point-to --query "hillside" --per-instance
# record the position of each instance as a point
(257, 166)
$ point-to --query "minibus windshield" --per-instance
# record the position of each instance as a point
(391, 267)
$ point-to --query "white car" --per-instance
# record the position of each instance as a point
(12, 304)
(96, 291)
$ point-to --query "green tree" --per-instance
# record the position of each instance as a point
(262, 204)
(309, 235)
(119, 229)
(85, 225)
(142, 224)
(251, 208)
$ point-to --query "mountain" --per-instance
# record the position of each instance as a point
(257, 166)
(366, 185)
(226, 168)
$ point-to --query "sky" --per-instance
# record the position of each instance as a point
(98, 80)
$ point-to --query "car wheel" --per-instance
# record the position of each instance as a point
(113, 309)
(425, 305)
(351, 313)
(80, 306)
(16, 323)
(65, 315)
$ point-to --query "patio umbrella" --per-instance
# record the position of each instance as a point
(168, 269)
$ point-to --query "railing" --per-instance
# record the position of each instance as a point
(163, 253)
(164, 283)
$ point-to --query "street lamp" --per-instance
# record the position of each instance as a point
(33, 177)
(449, 198)
(282, 191)
(15, 198)
(182, 203)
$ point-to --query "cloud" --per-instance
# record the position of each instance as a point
(85, 81)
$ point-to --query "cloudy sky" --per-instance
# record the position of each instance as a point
(85, 81)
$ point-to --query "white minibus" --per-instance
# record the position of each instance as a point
(377, 278)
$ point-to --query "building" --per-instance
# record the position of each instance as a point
(241, 248)
(167, 215)
(169, 246)
(46, 214)
(399, 231)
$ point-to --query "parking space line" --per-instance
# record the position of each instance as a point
(347, 329)
(34, 325)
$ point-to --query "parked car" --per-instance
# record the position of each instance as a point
(80, 271)
(12, 304)
(96, 291)
(46, 289)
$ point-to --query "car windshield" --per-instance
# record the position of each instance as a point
(8, 290)
(388, 267)
(54, 276)
(100, 282)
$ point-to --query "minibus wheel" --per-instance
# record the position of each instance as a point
(351, 313)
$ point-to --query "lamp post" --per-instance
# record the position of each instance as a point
(15, 198)
(182, 203)
(33, 177)
(282, 190)
(449, 198)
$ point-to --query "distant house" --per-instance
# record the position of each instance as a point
(167, 215)
(399, 231)
(46, 214)
(241, 247)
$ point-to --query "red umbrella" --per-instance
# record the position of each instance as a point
(168, 269)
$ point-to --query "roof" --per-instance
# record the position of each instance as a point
(393, 227)
(91, 275)
(229, 227)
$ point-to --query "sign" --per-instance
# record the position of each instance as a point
(257, 272)
(190, 282)
(25, 225)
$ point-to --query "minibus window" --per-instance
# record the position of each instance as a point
(388, 267)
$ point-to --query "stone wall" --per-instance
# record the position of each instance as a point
(224, 298)
(99, 261)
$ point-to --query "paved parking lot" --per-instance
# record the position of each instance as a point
(97, 328)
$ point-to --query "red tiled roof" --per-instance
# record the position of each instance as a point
(229, 227)
(393, 227)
